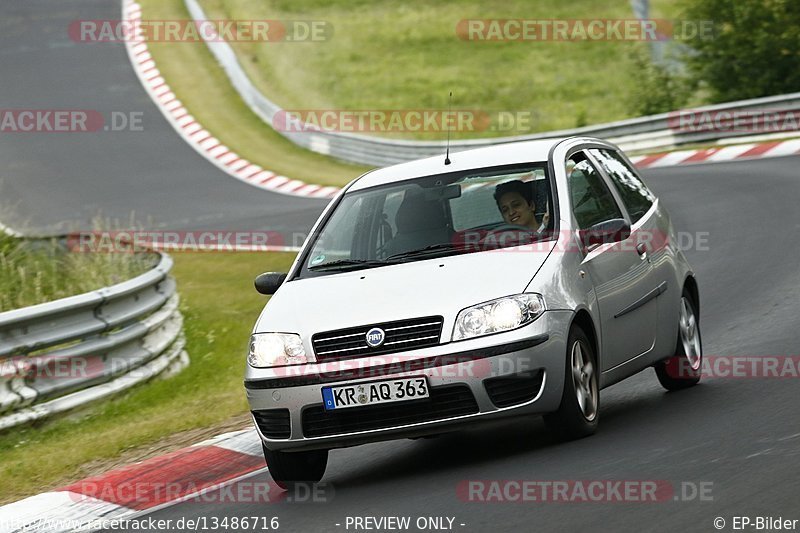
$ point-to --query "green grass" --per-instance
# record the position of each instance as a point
(200, 83)
(220, 307)
(405, 54)
(37, 271)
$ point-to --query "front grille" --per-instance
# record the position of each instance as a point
(273, 423)
(512, 390)
(444, 402)
(400, 335)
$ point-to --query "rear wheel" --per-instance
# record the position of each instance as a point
(290, 468)
(683, 369)
(579, 410)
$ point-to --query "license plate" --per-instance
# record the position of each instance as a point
(374, 393)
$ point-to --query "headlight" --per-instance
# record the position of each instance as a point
(503, 314)
(277, 349)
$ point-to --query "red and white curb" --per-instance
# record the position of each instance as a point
(717, 154)
(193, 133)
(185, 474)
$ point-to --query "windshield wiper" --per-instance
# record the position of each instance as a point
(428, 250)
(351, 264)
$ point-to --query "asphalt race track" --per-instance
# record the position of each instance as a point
(57, 182)
(740, 435)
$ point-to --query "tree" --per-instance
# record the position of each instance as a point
(754, 50)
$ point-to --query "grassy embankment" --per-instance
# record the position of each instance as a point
(220, 306)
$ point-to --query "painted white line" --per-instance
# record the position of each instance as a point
(307, 190)
(57, 512)
(228, 158)
(191, 128)
(249, 171)
(246, 441)
(672, 158)
(325, 192)
(277, 181)
(200, 136)
(8, 231)
(218, 151)
(238, 165)
(292, 185)
(216, 439)
(785, 148)
(209, 143)
(184, 120)
(730, 152)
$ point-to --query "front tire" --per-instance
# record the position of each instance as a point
(579, 411)
(684, 369)
(291, 468)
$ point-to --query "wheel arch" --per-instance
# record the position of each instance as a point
(584, 320)
(690, 284)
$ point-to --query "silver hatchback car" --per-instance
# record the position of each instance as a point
(514, 280)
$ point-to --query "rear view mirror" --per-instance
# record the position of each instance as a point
(447, 192)
(614, 230)
(269, 282)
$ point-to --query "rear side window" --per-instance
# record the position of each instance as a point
(635, 195)
(592, 201)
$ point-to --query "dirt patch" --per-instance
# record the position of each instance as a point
(163, 446)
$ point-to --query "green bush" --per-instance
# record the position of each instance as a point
(656, 87)
(754, 50)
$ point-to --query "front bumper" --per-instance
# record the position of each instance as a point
(464, 367)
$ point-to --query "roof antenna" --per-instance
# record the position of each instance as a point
(449, 114)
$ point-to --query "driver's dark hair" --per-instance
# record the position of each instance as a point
(524, 189)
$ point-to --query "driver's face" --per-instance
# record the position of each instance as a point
(517, 211)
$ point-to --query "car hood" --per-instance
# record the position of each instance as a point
(439, 286)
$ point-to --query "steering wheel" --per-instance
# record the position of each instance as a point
(508, 227)
(522, 233)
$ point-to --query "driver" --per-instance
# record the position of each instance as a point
(515, 202)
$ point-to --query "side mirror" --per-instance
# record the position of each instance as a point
(269, 282)
(614, 230)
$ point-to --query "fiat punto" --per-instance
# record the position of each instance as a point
(510, 281)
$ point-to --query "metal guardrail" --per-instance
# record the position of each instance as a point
(639, 134)
(58, 355)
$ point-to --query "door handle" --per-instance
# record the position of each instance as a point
(641, 249)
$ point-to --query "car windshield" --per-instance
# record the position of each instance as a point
(433, 216)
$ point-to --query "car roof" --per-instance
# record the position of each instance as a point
(489, 156)
(507, 153)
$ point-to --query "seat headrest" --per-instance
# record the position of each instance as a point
(416, 213)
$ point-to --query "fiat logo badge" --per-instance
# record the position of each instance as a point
(375, 337)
